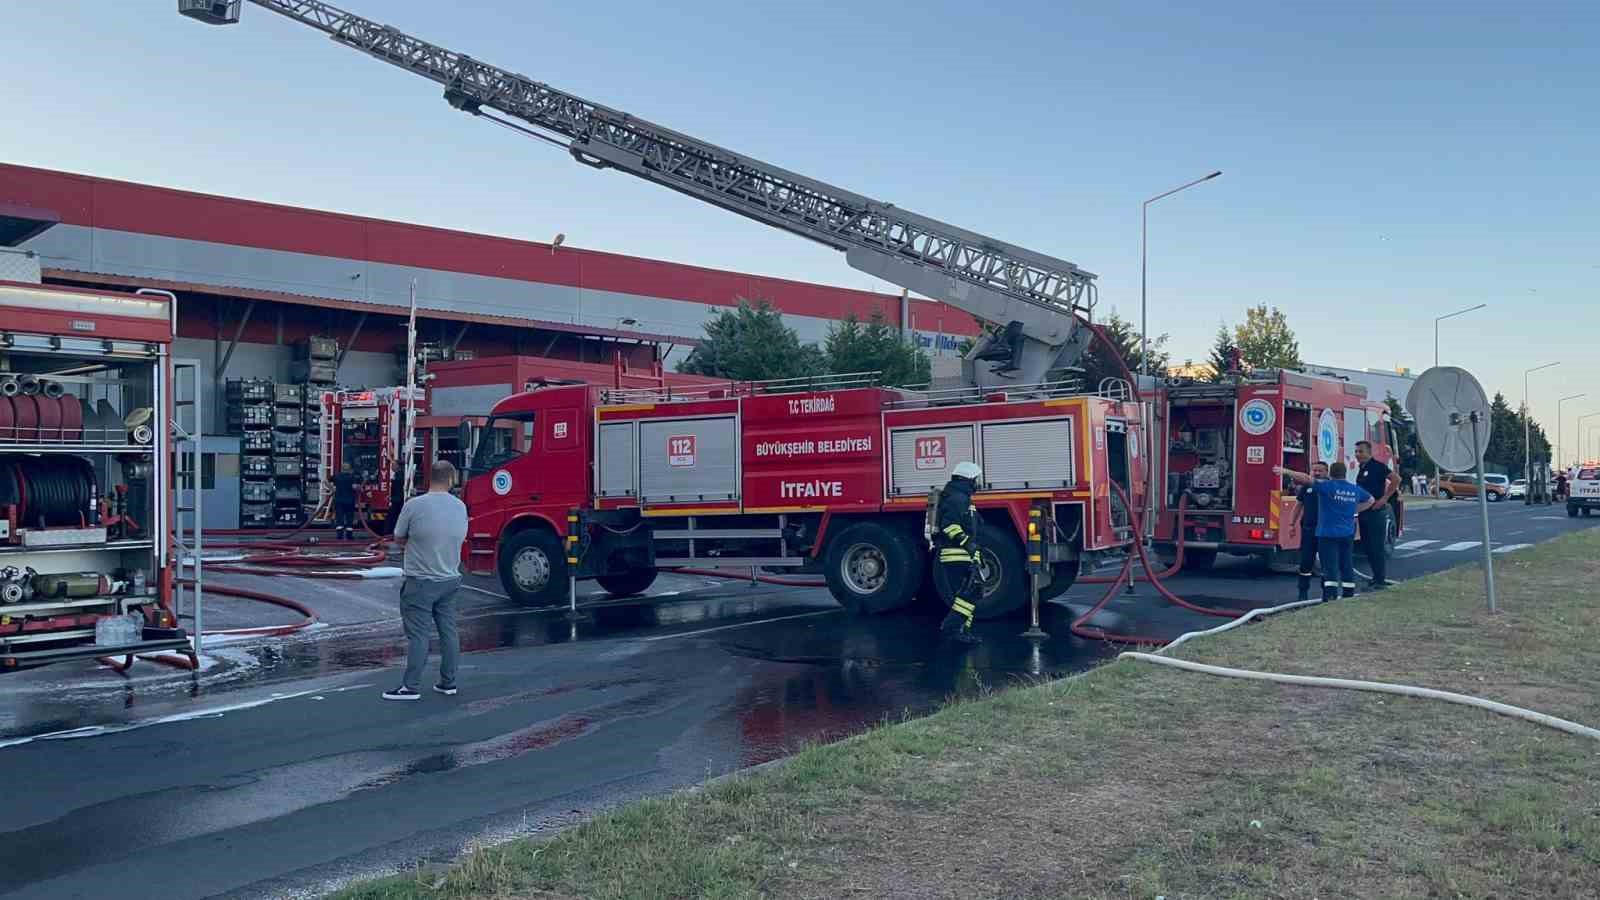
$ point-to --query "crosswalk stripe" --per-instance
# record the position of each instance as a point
(1462, 545)
(1412, 545)
(1507, 548)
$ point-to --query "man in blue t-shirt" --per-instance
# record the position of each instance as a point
(1338, 504)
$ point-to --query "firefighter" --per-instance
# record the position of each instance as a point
(955, 539)
(1306, 515)
(344, 502)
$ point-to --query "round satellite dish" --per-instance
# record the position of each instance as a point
(1443, 402)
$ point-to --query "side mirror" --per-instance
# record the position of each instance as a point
(464, 442)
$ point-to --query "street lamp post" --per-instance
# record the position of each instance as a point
(1527, 432)
(1558, 420)
(1580, 431)
(1144, 308)
(1459, 312)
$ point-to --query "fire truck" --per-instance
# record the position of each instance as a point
(580, 481)
(1218, 443)
(87, 512)
(366, 429)
(785, 475)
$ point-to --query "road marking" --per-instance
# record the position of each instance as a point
(684, 634)
(1461, 545)
(484, 591)
(1413, 545)
(1507, 548)
(1550, 518)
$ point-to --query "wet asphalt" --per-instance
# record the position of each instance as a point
(277, 771)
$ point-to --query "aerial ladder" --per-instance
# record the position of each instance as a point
(1038, 305)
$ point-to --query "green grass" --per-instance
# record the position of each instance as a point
(1136, 781)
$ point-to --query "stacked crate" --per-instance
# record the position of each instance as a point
(316, 365)
(250, 415)
(313, 447)
(288, 440)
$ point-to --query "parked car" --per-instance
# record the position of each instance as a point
(1519, 488)
(1453, 486)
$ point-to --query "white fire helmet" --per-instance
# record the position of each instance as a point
(968, 470)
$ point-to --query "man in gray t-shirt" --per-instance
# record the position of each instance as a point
(433, 526)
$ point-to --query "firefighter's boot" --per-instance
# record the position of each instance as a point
(957, 625)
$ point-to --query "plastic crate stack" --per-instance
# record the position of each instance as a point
(250, 416)
(288, 439)
(316, 365)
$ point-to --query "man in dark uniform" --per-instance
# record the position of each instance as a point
(1381, 482)
(1306, 515)
(955, 531)
(344, 502)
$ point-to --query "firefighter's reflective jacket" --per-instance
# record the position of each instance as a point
(955, 528)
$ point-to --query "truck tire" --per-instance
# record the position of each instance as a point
(627, 584)
(533, 568)
(1003, 575)
(872, 568)
(1198, 560)
(1572, 511)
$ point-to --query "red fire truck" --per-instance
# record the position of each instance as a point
(365, 428)
(88, 566)
(1220, 442)
(789, 476)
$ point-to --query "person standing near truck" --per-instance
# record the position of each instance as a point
(955, 535)
(1338, 504)
(1380, 482)
(1306, 517)
(433, 526)
(344, 502)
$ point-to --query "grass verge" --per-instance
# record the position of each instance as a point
(1135, 781)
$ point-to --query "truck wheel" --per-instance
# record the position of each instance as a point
(533, 568)
(1002, 575)
(627, 584)
(872, 568)
(1572, 511)
(1198, 560)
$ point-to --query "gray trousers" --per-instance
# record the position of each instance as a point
(422, 602)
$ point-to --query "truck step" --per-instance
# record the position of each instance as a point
(684, 534)
(729, 562)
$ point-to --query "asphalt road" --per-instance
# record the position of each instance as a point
(280, 773)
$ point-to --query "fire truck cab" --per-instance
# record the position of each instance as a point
(1217, 444)
(573, 481)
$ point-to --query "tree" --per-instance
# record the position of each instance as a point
(1100, 362)
(1266, 341)
(1223, 352)
(751, 343)
(875, 347)
(1505, 437)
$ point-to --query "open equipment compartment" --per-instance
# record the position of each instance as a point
(85, 475)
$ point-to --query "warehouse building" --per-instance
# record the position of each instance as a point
(254, 280)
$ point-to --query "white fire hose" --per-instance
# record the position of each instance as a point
(1380, 687)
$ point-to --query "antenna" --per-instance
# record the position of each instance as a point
(1452, 416)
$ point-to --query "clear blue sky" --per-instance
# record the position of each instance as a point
(1385, 163)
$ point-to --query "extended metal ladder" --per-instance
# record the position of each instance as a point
(1041, 298)
(188, 430)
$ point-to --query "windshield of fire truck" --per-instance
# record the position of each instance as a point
(503, 439)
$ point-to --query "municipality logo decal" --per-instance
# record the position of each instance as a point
(1328, 437)
(1257, 417)
(502, 482)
